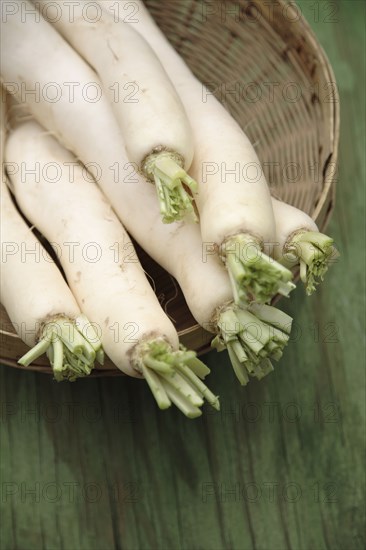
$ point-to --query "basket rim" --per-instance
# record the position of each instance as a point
(334, 106)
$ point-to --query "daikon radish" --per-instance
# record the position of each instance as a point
(235, 208)
(37, 299)
(103, 271)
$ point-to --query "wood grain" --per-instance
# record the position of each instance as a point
(280, 467)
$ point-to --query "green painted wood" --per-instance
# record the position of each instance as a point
(94, 466)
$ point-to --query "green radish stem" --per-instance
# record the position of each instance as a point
(172, 184)
(299, 242)
(272, 316)
(252, 337)
(70, 351)
(314, 251)
(253, 274)
(174, 377)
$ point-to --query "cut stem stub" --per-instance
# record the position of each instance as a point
(253, 274)
(72, 347)
(314, 251)
(252, 338)
(174, 377)
(173, 185)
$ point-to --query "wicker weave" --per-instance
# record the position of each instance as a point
(285, 98)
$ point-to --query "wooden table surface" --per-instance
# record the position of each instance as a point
(95, 466)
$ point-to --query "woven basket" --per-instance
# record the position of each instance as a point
(265, 64)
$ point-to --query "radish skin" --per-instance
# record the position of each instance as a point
(151, 116)
(35, 56)
(202, 277)
(42, 310)
(114, 292)
(299, 242)
(313, 250)
(205, 283)
(235, 212)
